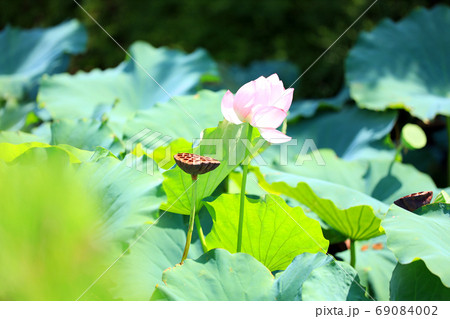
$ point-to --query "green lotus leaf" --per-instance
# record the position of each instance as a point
(129, 87)
(144, 129)
(352, 133)
(159, 247)
(163, 155)
(10, 152)
(28, 54)
(415, 282)
(288, 284)
(19, 137)
(48, 229)
(422, 234)
(130, 199)
(13, 115)
(357, 186)
(387, 181)
(168, 119)
(253, 188)
(224, 143)
(335, 281)
(127, 200)
(84, 134)
(318, 277)
(413, 137)
(353, 214)
(382, 179)
(217, 275)
(273, 232)
(308, 108)
(409, 70)
(374, 264)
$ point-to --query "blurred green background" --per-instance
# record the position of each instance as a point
(232, 31)
(49, 236)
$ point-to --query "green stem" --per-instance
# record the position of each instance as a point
(200, 233)
(398, 153)
(352, 253)
(191, 219)
(284, 126)
(448, 151)
(243, 185)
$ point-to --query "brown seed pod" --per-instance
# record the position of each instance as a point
(414, 201)
(195, 164)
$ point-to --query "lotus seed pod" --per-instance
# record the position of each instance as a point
(414, 201)
(195, 164)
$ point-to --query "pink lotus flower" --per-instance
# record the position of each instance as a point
(263, 103)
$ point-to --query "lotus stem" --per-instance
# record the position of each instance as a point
(284, 126)
(352, 253)
(243, 186)
(191, 219)
(398, 153)
(200, 233)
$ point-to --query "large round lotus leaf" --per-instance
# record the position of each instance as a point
(288, 284)
(160, 246)
(421, 235)
(404, 65)
(28, 54)
(19, 137)
(273, 232)
(255, 189)
(149, 128)
(351, 213)
(85, 134)
(374, 263)
(306, 279)
(414, 281)
(10, 152)
(128, 87)
(13, 116)
(387, 180)
(382, 179)
(352, 133)
(319, 277)
(130, 199)
(308, 108)
(413, 137)
(217, 275)
(171, 122)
